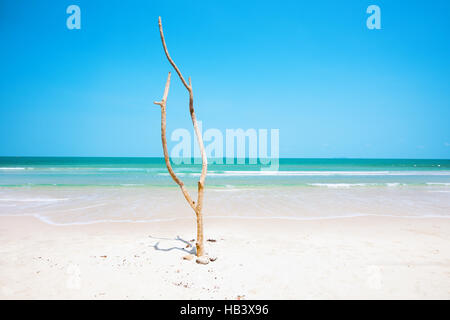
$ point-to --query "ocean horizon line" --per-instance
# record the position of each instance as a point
(224, 158)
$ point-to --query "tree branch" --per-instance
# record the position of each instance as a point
(197, 207)
(168, 56)
(201, 182)
(162, 104)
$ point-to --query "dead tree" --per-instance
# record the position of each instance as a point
(196, 206)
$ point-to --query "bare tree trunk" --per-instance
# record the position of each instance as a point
(197, 207)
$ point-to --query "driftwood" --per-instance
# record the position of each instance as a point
(196, 206)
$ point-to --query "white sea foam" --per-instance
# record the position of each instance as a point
(332, 217)
(231, 189)
(341, 185)
(51, 222)
(180, 174)
(116, 169)
(393, 184)
(34, 199)
(328, 173)
(438, 183)
(346, 216)
(10, 168)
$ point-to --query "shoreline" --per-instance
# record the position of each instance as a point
(357, 258)
(175, 219)
(84, 206)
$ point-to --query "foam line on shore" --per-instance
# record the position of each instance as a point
(50, 222)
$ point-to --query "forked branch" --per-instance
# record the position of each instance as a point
(191, 105)
(197, 207)
(162, 104)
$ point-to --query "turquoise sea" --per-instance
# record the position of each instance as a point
(75, 171)
(63, 190)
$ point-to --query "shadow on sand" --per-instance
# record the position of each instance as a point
(184, 245)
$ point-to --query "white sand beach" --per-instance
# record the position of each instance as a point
(356, 258)
(308, 143)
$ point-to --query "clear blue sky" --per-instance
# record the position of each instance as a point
(310, 68)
